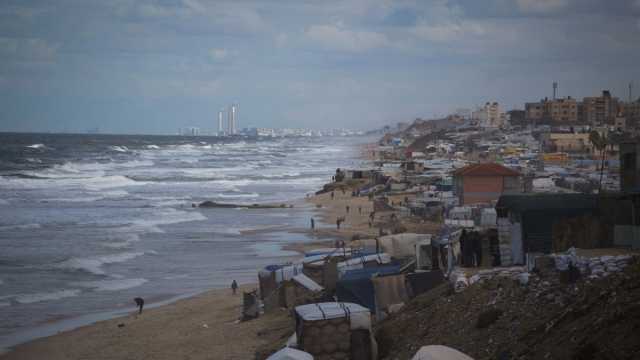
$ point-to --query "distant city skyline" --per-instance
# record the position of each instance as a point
(153, 66)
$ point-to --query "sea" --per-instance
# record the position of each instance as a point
(89, 222)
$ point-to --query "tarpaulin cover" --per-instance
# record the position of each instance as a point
(356, 286)
(439, 352)
(368, 272)
(358, 262)
(359, 316)
(390, 290)
(359, 291)
(305, 281)
(290, 354)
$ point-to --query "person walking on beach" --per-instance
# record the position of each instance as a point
(313, 224)
(332, 195)
(347, 209)
(139, 303)
(234, 287)
(359, 210)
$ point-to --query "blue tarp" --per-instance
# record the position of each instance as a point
(356, 286)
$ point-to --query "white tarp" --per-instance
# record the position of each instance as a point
(460, 213)
(360, 317)
(307, 282)
(290, 354)
(401, 245)
(321, 257)
(288, 272)
(324, 251)
(439, 352)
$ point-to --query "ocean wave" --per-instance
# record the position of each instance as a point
(4, 202)
(20, 227)
(48, 296)
(94, 265)
(119, 148)
(111, 285)
(152, 147)
(39, 147)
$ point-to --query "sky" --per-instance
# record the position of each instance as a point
(154, 66)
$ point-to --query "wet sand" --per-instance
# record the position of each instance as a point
(201, 327)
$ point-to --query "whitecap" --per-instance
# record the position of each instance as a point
(111, 285)
(93, 265)
(119, 148)
(153, 146)
(40, 297)
(36, 146)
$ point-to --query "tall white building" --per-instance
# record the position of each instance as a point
(232, 127)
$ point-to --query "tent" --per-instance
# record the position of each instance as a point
(356, 285)
(439, 352)
(401, 245)
(290, 354)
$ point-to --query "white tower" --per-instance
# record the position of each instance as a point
(233, 119)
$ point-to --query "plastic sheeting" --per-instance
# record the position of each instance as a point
(358, 262)
(307, 282)
(359, 316)
(290, 354)
(439, 352)
(401, 245)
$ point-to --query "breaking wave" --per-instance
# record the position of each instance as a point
(94, 265)
(45, 296)
(111, 285)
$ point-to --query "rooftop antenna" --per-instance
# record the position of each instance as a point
(555, 89)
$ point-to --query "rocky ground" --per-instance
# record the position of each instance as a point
(500, 318)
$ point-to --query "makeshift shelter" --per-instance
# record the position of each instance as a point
(335, 331)
(439, 352)
(389, 290)
(356, 286)
(290, 354)
(401, 245)
(299, 290)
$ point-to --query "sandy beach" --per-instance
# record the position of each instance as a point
(201, 327)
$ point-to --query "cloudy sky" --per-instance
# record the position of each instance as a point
(153, 66)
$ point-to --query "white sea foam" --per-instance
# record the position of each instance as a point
(49, 296)
(153, 147)
(111, 285)
(119, 148)
(94, 264)
(36, 146)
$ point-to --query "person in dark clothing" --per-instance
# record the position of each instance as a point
(332, 195)
(464, 248)
(347, 207)
(139, 303)
(234, 287)
(313, 224)
(360, 210)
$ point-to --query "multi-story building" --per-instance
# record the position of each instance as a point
(490, 115)
(561, 110)
(631, 112)
(600, 109)
(534, 111)
(554, 111)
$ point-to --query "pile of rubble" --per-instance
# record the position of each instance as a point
(595, 315)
